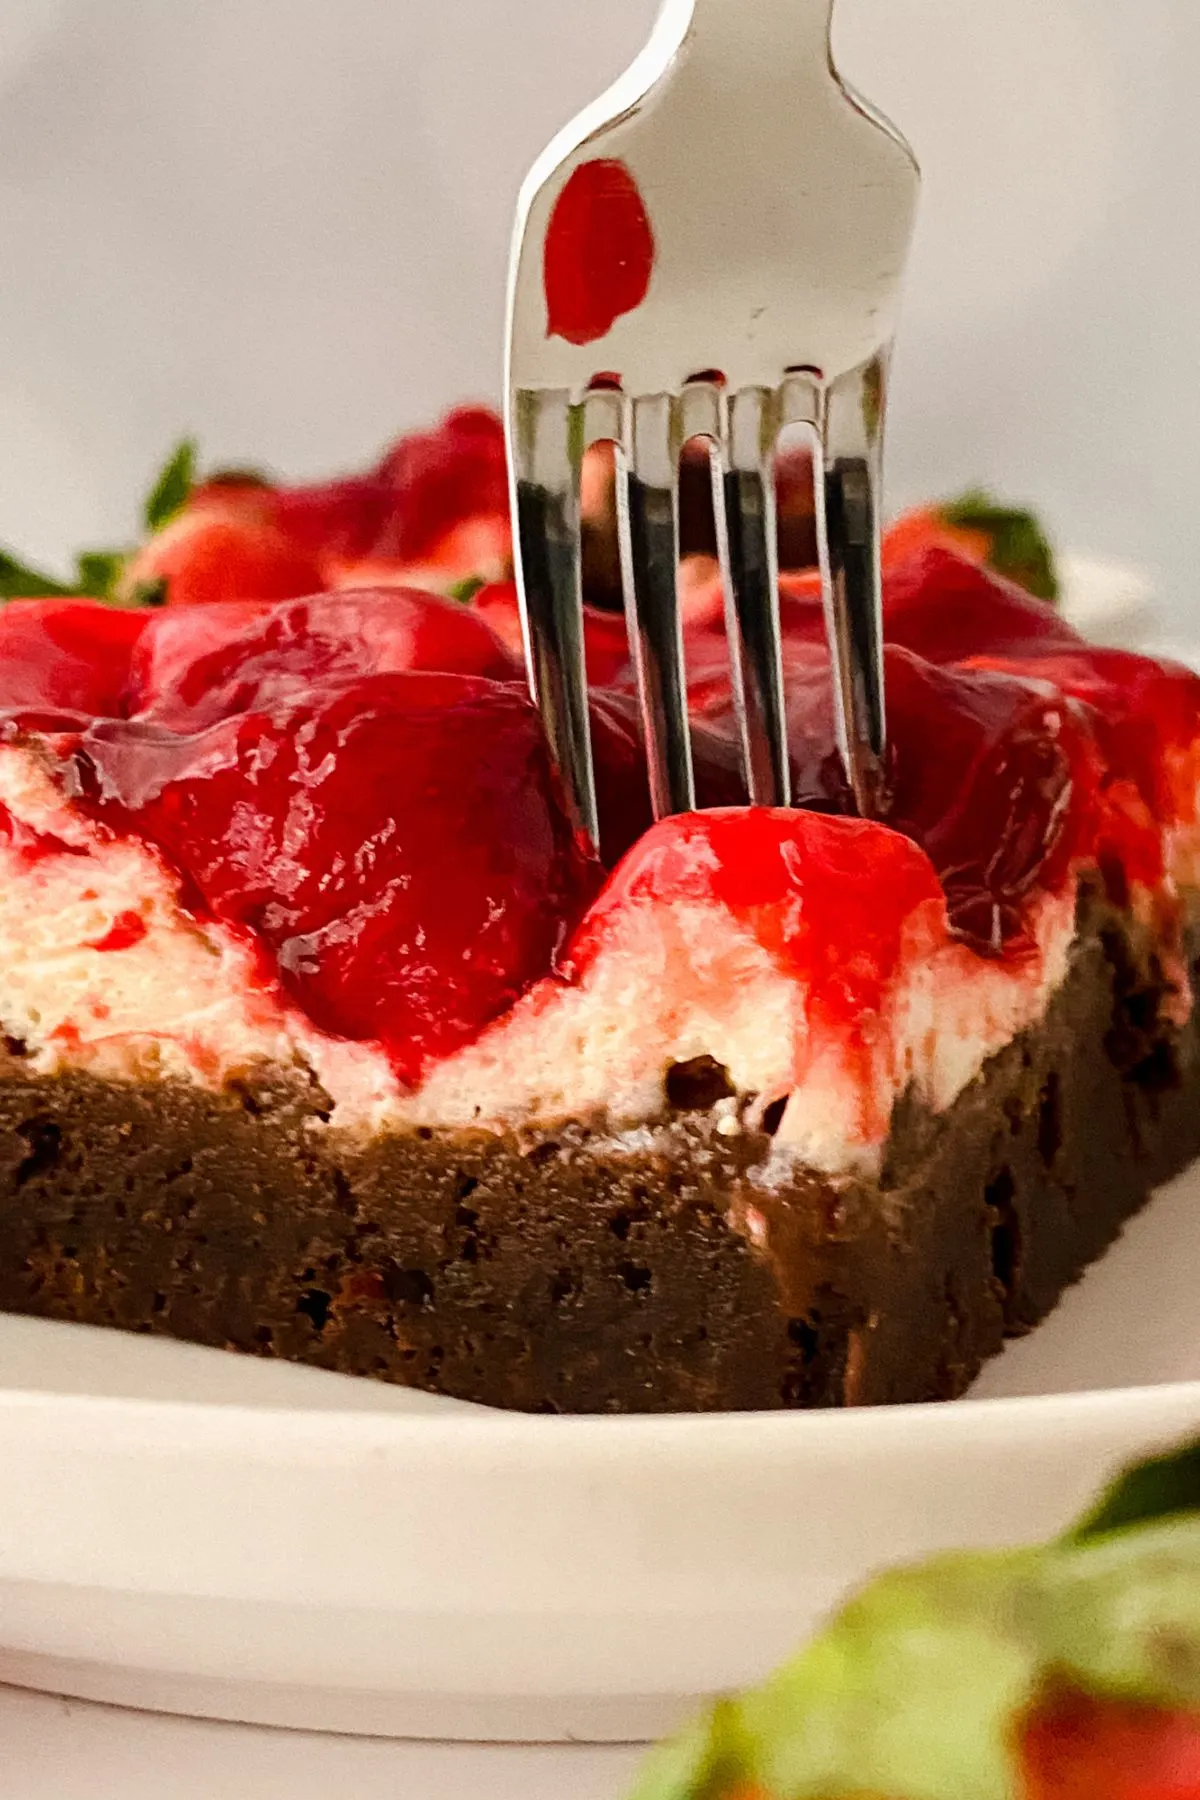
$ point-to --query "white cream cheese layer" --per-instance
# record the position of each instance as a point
(672, 982)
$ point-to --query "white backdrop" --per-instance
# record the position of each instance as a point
(283, 223)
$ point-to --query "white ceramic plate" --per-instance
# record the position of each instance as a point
(187, 1530)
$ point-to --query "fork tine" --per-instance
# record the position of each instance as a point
(547, 435)
(848, 480)
(648, 511)
(744, 505)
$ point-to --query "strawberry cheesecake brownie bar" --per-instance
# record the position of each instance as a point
(325, 1037)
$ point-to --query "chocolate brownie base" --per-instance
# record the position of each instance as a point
(676, 1269)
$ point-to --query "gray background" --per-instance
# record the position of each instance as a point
(283, 224)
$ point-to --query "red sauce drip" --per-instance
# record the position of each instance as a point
(1075, 1747)
(126, 930)
(599, 252)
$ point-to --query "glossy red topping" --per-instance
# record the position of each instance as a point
(68, 654)
(1081, 1748)
(426, 484)
(333, 519)
(605, 639)
(992, 775)
(599, 252)
(397, 842)
(623, 785)
(438, 478)
(996, 779)
(834, 902)
(1145, 714)
(194, 667)
(398, 845)
(436, 500)
(127, 929)
(947, 608)
(204, 556)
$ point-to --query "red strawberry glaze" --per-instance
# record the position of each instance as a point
(126, 930)
(439, 478)
(605, 639)
(599, 252)
(497, 603)
(996, 779)
(623, 785)
(208, 554)
(396, 840)
(1078, 1748)
(947, 608)
(398, 844)
(994, 776)
(196, 666)
(1145, 717)
(836, 903)
(436, 499)
(72, 655)
(343, 518)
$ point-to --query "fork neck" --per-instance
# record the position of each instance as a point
(768, 31)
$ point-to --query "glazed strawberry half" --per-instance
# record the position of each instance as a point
(70, 655)
(396, 843)
(192, 668)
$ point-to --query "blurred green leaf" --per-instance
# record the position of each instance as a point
(465, 591)
(19, 582)
(1163, 1488)
(1020, 549)
(175, 482)
(99, 572)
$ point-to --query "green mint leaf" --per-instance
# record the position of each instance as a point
(19, 582)
(1020, 548)
(1163, 1488)
(99, 572)
(466, 590)
(170, 491)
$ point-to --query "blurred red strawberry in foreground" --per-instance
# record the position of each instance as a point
(1070, 1671)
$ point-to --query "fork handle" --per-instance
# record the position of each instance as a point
(761, 30)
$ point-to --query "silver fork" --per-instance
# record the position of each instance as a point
(713, 249)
